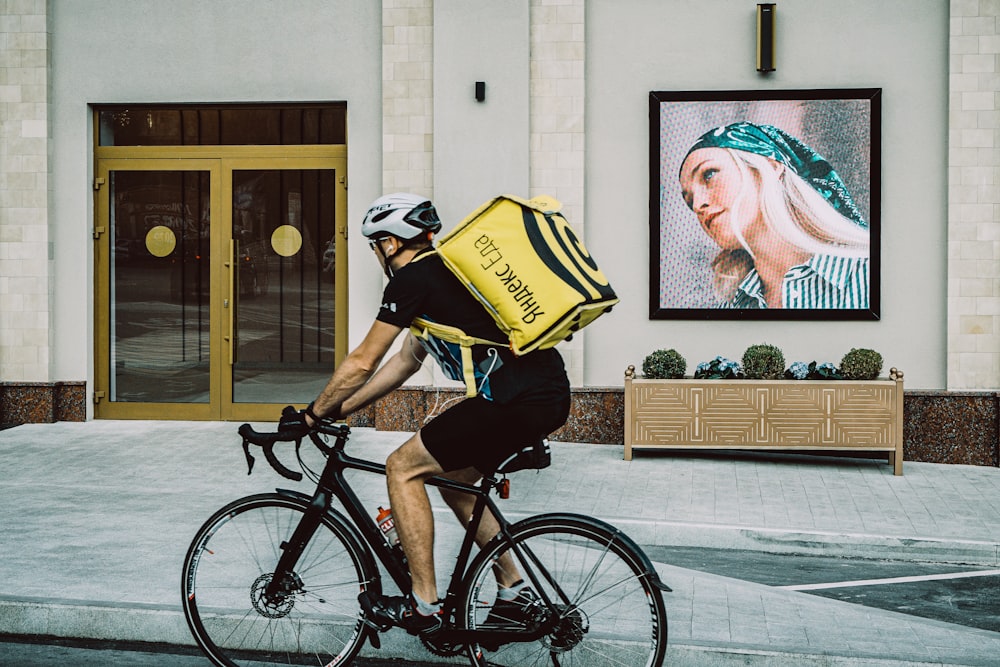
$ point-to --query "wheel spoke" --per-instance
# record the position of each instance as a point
(232, 560)
(608, 612)
(590, 576)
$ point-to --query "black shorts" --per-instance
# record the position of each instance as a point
(481, 433)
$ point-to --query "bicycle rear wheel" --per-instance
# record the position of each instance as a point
(608, 612)
(314, 621)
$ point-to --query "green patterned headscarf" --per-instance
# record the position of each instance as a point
(782, 147)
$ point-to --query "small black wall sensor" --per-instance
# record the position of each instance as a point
(480, 91)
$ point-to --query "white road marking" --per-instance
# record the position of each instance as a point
(892, 580)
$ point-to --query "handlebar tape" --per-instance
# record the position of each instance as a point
(266, 442)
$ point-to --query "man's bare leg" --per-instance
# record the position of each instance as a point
(461, 504)
(406, 470)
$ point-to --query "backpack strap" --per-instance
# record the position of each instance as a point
(425, 329)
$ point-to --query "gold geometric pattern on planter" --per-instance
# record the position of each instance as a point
(664, 414)
(765, 414)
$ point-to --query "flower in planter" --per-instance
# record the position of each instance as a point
(719, 368)
(799, 370)
(824, 371)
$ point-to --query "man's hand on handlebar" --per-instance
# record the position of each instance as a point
(300, 423)
(296, 423)
(294, 426)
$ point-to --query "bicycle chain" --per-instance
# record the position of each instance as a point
(445, 649)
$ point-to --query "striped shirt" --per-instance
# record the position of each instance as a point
(825, 281)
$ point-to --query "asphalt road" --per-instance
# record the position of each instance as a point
(49, 652)
(960, 594)
(952, 593)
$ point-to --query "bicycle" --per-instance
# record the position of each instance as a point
(273, 578)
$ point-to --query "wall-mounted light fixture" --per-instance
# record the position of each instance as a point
(480, 91)
(765, 37)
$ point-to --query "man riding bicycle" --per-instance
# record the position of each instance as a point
(518, 401)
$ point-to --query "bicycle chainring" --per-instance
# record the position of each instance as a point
(439, 645)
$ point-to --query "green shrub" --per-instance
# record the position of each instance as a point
(861, 364)
(664, 364)
(763, 362)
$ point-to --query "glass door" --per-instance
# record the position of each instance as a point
(284, 297)
(217, 285)
(154, 266)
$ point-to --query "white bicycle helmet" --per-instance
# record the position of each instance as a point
(402, 215)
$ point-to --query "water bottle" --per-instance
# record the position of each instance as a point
(387, 525)
(388, 528)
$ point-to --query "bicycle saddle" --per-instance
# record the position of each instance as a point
(535, 456)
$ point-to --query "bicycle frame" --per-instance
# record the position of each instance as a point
(332, 483)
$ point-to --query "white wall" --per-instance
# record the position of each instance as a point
(147, 51)
(480, 148)
(901, 46)
(136, 51)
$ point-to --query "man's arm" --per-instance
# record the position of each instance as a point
(391, 375)
(353, 386)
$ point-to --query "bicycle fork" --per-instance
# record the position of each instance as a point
(284, 581)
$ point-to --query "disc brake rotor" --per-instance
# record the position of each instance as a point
(277, 607)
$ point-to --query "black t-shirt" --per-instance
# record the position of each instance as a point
(426, 288)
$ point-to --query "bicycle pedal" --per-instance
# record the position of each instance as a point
(366, 616)
(375, 626)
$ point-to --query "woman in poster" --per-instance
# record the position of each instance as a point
(789, 234)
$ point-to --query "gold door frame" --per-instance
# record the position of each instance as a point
(219, 162)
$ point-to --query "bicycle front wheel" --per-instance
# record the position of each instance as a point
(606, 611)
(314, 620)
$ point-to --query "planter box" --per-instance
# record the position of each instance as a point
(786, 415)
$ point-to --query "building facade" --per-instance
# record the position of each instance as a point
(566, 86)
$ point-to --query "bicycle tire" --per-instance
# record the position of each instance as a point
(231, 559)
(614, 614)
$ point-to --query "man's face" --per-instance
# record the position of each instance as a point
(383, 248)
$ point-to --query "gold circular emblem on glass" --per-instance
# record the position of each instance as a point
(160, 241)
(286, 240)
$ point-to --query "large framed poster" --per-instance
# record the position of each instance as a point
(765, 204)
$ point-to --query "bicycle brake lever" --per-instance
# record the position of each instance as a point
(250, 459)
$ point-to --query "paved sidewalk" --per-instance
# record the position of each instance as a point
(97, 517)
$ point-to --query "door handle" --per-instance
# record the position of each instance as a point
(229, 302)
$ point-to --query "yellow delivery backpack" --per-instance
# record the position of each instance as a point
(523, 262)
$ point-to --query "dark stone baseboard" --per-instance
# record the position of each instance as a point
(42, 402)
(952, 427)
(938, 426)
(597, 414)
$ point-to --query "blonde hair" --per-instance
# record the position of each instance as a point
(792, 209)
